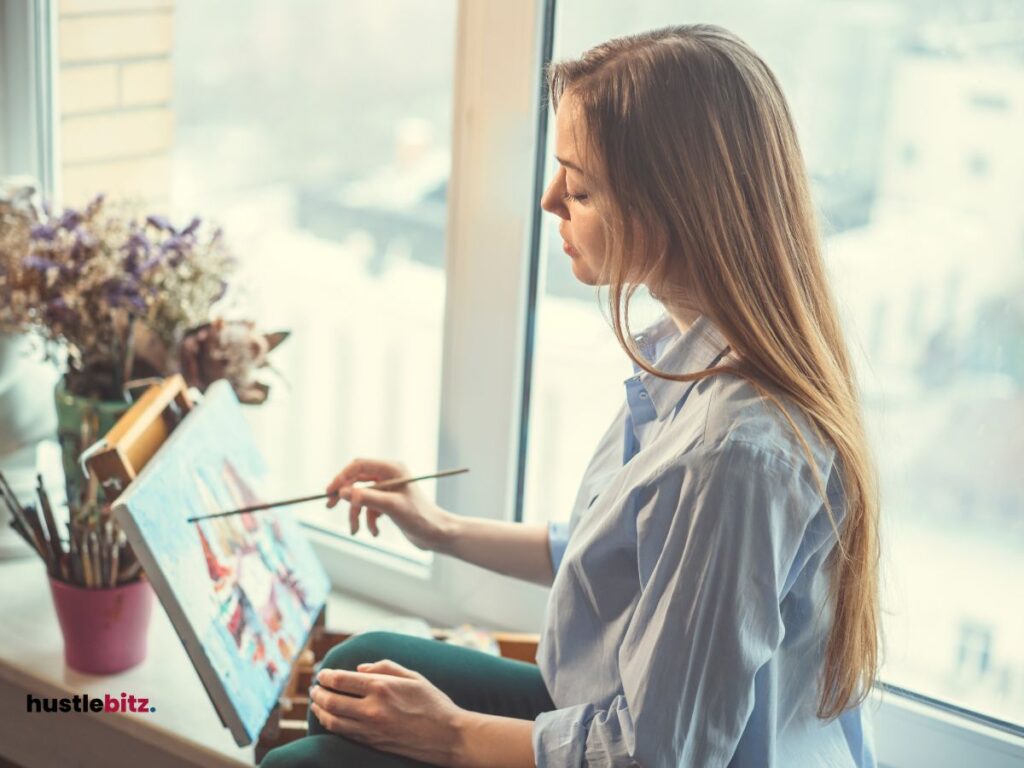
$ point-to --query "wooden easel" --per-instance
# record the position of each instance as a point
(121, 454)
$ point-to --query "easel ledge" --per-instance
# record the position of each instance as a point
(120, 455)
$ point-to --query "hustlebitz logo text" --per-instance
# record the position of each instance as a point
(126, 702)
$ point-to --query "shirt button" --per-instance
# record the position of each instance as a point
(643, 395)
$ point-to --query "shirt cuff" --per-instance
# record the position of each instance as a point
(558, 539)
(560, 735)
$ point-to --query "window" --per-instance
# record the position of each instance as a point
(27, 419)
(924, 240)
(323, 137)
(327, 157)
(308, 131)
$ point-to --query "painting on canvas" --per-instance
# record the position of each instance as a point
(242, 591)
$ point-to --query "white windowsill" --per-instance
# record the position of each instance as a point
(184, 730)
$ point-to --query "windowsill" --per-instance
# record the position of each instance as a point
(184, 730)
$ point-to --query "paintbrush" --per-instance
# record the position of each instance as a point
(19, 521)
(51, 529)
(379, 486)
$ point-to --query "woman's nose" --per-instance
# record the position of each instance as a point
(551, 201)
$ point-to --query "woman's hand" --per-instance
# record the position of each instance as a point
(423, 522)
(390, 708)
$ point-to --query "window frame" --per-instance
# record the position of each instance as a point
(493, 207)
(913, 731)
(499, 132)
(28, 130)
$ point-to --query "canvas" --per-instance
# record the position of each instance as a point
(242, 591)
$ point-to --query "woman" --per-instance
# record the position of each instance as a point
(714, 596)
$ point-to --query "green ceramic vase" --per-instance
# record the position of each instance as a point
(81, 421)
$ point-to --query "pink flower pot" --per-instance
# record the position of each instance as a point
(105, 630)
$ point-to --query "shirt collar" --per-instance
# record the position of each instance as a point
(666, 349)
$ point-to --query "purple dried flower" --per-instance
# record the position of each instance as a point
(120, 292)
(94, 205)
(160, 222)
(34, 261)
(84, 242)
(57, 311)
(192, 227)
(151, 262)
(132, 266)
(138, 245)
(70, 219)
(176, 247)
(42, 232)
(81, 269)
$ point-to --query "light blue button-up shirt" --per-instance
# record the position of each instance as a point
(689, 613)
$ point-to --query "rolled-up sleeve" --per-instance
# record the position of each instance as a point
(558, 539)
(716, 538)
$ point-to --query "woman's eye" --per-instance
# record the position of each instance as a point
(574, 198)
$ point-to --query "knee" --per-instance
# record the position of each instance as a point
(364, 647)
(287, 756)
(309, 752)
(275, 758)
(358, 649)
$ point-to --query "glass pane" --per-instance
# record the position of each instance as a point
(909, 116)
(318, 140)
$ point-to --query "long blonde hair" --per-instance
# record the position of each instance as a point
(706, 201)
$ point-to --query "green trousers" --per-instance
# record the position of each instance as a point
(474, 680)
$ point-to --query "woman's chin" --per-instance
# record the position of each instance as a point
(582, 272)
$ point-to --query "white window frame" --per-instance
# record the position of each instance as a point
(496, 130)
(28, 125)
(910, 733)
(495, 126)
